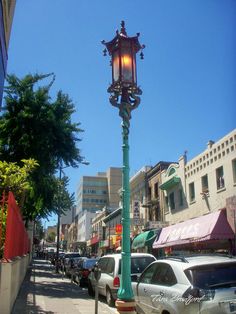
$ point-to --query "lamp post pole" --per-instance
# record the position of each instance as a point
(124, 95)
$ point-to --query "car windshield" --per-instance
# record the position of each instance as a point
(138, 264)
(212, 276)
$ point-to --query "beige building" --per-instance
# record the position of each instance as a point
(94, 194)
(98, 191)
(138, 197)
(155, 202)
(200, 201)
(203, 184)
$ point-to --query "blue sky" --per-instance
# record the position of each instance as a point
(188, 75)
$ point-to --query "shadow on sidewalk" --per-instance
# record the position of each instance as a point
(42, 281)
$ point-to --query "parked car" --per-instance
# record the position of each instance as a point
(184, 285)
(83, 269)
(110, 266)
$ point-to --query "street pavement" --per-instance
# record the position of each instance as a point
(44, 291)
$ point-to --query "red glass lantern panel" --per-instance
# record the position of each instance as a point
(124, 63)
(116, 66)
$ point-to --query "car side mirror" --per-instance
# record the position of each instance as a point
(134, 278)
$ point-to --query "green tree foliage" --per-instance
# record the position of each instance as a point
(39, 231)
(33, 126)
(17, 180)
(51, 237)
(63, 200)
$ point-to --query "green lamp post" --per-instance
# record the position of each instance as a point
(125, 96)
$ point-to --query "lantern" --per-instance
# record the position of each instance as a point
(123, 50)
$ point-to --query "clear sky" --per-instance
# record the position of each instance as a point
(188, 75)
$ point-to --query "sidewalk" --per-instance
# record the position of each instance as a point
(44, 291)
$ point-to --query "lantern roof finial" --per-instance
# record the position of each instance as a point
(122, 36)
(122, 29)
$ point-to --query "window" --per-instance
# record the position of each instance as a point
(148, 274)
(191, 192)
(156, 191)
(172, 200)
(166, 201)
(234, 170)
(220, 182)
(102, 264)
(138, 264)
(205, 183)
(172, 171)
(164, 275)
(181, 201)
(149, 192)
(205, 276)
(110, 266)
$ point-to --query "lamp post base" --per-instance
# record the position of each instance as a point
(125, 307)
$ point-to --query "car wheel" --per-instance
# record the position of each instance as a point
(109, 297)
(91, 291)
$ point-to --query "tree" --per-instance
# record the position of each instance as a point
(17, 180)
(51, 236)
(34, 126)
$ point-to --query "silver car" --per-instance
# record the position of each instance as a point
(110, 266)
(188, 285)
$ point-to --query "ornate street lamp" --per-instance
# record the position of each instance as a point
(125, 96)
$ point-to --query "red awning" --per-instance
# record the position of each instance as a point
(212, 226)
(94, 240)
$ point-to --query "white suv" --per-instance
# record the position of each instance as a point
(110, 266)
(188, 285)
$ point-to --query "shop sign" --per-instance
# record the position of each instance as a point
(118, 229)
(136, 213)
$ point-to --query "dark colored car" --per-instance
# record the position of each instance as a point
(83, 269)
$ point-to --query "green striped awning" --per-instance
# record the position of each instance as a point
(144, 239)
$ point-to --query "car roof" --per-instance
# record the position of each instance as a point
(197, 260)
(118, 255)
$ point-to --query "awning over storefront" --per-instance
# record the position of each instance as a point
(144, 239)
(94, 240)
(170, 183)
(104, 244)
(212, 226)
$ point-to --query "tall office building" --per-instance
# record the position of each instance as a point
(97, 192)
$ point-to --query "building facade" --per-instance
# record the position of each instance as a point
(138, 198)
(202, 185)
(7, 8)
(94, 194)
(155, 203)
(200, 200)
